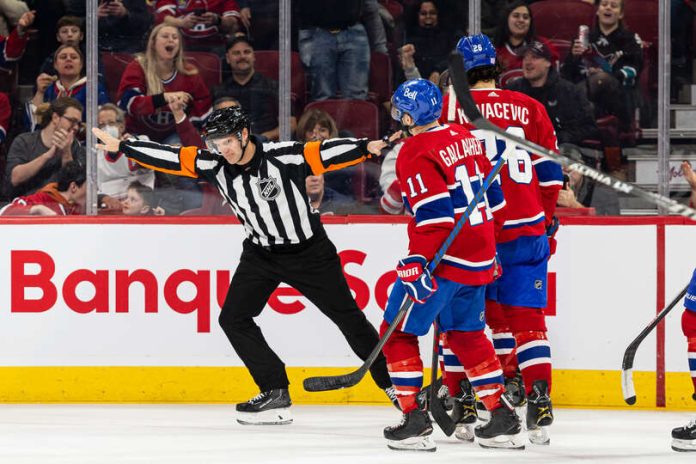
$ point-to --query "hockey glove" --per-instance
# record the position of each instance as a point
(551, 230)
(391, 202)
(416, 278)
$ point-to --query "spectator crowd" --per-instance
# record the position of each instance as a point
(164, 65)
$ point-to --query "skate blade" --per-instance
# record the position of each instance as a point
(413, 444)
(683, 445)
(280, 416)
(539, 436)
(464, 432)
(515, 442)
(521, 412)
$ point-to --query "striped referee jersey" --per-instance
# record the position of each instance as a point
(268, 195)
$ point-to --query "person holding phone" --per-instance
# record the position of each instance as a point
(122, 25)
(203, 23)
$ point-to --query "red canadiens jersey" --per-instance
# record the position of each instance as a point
(188, 7)
(143, 118)
(440, 171)
(530, 182)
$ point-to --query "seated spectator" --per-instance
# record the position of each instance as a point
(391, 202)
(68, 32)
(68, 82)
(123, 25)
(515, 32)
(35, 158)
(582, 192)
(690, 177)
(203, 23)
(332, 192)
(65, 197)
(115, 172)
(140, 201)
(256, 93)
(427, 44)
(570, 111)
(608, 70)
(157, 78)
(334, 48)
(5, 116)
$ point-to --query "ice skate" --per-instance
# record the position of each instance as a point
(267, 408)
(684, 438)
(412, 434)
(539, 413)
(515, 390)
(464, 413)
(503, 430)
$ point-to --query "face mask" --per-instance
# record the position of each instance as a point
(112, 130)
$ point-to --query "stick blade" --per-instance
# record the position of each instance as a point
(629, 391)
(328, 383)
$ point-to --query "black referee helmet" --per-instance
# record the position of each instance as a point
(226, 121)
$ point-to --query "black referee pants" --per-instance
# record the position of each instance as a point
(314, 269)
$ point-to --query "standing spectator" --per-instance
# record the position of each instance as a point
(515, 32)
(203, 23)
(5, 116)
(157, 78)
(261, 17)
(115, 171)
(427, 44)
(69, 82)
(35, 158)
(334, 48)
(609, 68)
(65, 197)
(123, 25)
(256, 93)
(374, 26)
(570, 111)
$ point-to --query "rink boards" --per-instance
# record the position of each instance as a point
(104, 310)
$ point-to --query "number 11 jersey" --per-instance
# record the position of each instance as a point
(530, 182)
(440, 172)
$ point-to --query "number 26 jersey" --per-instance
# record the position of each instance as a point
(530, 182)
(440, 172)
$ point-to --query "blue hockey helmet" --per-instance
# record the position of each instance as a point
(477, 50)
(420, 99)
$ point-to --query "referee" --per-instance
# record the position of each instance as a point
(264, 184)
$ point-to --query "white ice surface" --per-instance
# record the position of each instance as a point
(174, 434)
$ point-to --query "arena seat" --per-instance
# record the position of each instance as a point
(641, 17)
(560, 19)
(208, 65)
(267, 64)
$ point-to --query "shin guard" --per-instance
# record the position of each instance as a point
(452, 369)
(482, 367)
(503, 340)
(533, 348)
(405, 367)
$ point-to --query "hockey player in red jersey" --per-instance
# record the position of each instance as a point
(441, 167)
(514, 307)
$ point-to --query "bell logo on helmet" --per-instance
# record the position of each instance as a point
(412, 94)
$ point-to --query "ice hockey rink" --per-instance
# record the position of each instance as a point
(320, 434)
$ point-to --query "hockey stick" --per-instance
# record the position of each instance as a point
(334, 382)
(466, 102)
(436, 407)
(629, 392)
